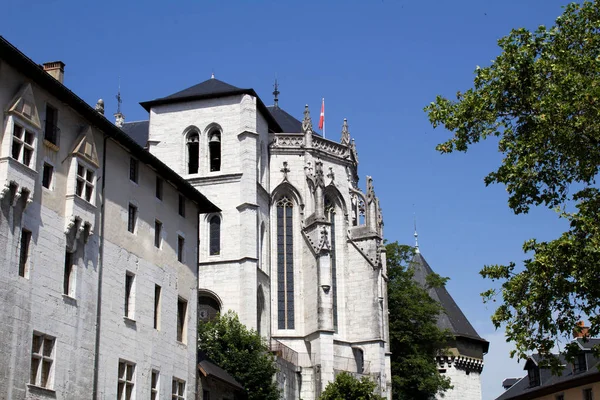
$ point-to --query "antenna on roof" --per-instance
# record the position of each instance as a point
(276, 94)
(416, 234)
(119, 117)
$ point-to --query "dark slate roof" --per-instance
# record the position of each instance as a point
(210, 89)
(288, 123)
(138, 131)
(549, 383)
(509, 382)
(36, 73)
(588, 343)
(453, 318)
(213, 370)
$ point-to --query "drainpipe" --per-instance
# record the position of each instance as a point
(100, 269)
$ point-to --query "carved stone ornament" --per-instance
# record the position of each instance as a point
(100, 106)
(345, 134)
(319, 178)
(331, 174)
(307, 121)
(370, 190)
(324, 242)
(285, 170)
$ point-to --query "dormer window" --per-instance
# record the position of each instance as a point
(84, 186)
(579, 365)
(534, 376)
(214, 150)
(193, 152)
(23, 145)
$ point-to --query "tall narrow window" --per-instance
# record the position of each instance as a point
(129, 295)
(193, 148)
(330, 213)
(157, 290)
(126, 381)
(359, 357)
(42, 361)
(157, 233)
(178, 389)
(159, 188)
(47, 174)
(285, 264)
(154, 385)
(181, 320)
(69, 278)
(215, 235)
(133, 170)
(132, 218)
(180, 248)
(214, 150)
(24, 253)
(22, 149)
(51, 131)
(181, 205)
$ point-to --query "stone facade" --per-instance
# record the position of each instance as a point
(78, 290)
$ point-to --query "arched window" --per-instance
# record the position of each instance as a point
(208, 307)
(214, 150)
(214, 235)
(285, 264)
(193, 152)
(359, 357)
(330, 215)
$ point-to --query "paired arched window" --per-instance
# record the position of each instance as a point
(330, 215)
(285, 264)
(214, 235)
(193, 152)
(214, 150)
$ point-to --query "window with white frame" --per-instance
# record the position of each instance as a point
(23, 145)
(84, 184)
(42, 360)
(178, 389)
(126, 381)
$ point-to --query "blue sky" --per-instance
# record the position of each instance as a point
(377, 63)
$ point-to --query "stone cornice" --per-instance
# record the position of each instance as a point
(221, 178)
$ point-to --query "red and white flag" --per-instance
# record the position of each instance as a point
(322, 117)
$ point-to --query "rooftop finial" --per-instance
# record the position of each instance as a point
(119, 117)
(212, 75)
(416, 234)
(307, 122)
(276, 94)
(345, 133)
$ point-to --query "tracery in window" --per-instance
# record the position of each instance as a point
(193, 152)
(285, 264)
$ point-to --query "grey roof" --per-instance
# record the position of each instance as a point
(509, 382)
(35, 72)
(453, 318)
(138, 131)
(552, 383)
(213, 370)
(210, 87)
(587, 344)
(288, 123)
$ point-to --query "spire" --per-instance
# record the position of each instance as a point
(345, 133)
(306, 122)
(276, 94)
(119, 117)
(416, 235)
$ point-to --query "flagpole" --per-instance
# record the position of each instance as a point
(323, 117)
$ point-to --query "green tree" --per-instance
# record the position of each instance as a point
(347, 387)
(415, 339)
(541, 99)
(242, 353)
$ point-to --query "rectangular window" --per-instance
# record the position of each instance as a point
(129, 295)
(588, 394)
(181, 205)
(51, 131)
(69, 278)
(24, 253)
(157, 233)
(178, 389)
(154, 385)
(132, 219)
(159, 188)
(133, 170)
(47, 174)
(560, 397)
(126, 381)
(84, 185)
(180, 248)
(181, 320)
(157, 290)
(205, 395)
(579, 364)
(22, 149)
(42, 360)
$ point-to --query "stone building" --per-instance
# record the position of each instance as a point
(464, 362)
(297, 250)
(98, 250)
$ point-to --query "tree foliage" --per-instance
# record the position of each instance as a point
(415, 339)
(541, 98)
(347, 387)
(242, 353)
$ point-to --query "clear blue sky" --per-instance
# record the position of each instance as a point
(377, 63)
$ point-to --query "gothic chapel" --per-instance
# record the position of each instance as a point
(297, 250)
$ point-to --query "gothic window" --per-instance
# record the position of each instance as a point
(214, 235)
(214, 150)
(193, 152)
(285, 264)
(330, 215)
(208, 308)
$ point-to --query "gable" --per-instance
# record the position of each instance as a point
(23, 105)
(85, 146)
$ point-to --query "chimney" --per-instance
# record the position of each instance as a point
(56, 69)
(581, 331)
